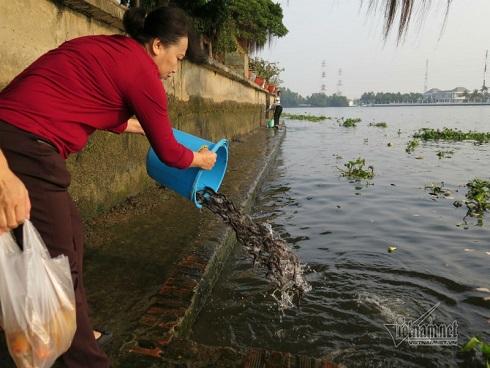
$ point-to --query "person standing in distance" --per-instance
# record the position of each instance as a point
(277, 109)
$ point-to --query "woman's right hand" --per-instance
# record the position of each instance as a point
(205, 159)
(15, 206)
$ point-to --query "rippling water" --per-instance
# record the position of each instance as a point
(342, 230)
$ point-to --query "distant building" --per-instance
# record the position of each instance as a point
(435, 95)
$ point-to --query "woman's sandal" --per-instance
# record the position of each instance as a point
(104, 338)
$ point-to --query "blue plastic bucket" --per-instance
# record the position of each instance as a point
(187, 182)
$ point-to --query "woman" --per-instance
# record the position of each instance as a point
(50, 109)
(277, 109)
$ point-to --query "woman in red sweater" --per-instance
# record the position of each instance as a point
(49, 111)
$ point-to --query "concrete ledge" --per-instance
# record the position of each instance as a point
(105, 11)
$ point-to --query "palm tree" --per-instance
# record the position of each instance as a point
(474, 95)
(405, 10)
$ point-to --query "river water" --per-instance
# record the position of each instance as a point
(342, 231)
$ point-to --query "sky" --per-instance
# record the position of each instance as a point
(347, 37)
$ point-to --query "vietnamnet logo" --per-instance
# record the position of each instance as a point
(423, 330)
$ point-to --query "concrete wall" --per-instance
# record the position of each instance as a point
(211, 101)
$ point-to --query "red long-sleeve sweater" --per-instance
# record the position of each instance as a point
(89, 83)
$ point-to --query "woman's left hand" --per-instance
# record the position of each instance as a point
(134, 126)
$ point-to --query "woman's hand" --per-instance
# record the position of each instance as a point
(134, 126)
(15, 206)
(205, 159)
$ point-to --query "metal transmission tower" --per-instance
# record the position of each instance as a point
(339, 83)
(323, 88)
(484, 87)
(426, 79)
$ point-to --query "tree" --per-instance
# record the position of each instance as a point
(291, 99)
(404, 10)
(226, 22)
(371, 98)
(257, 21)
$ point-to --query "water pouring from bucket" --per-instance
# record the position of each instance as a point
(189, 181)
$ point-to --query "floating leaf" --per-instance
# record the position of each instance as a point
(411, 145)
(349, 123)
(312, 118)
(471, 344)
(451, 135)
(355, 169)
(485, 349)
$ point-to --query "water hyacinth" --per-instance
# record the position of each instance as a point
(349, 122)
(379, 125)
(312, 118)
(447, 134)
(411, 145)
(355, 170)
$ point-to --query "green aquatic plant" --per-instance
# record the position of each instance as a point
(411, 145)
(477, 199)
(379, 125)
(429, 134)
(445, 154)
(355, 170)
(312, 118)
(349, 122)
(477, 344)
(438, 191)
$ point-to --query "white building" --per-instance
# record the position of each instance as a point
(435, 95)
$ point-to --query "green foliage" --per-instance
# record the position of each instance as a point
(355, 170)
(291, 99)
(478, 197)
(372, 98)
(257, 20)
(226, 21)
(322, 100)
(476, 344)
(225, 39)
(379, 125)
(411, 145)
(312, 118)
(445, 154)
(451, 135)
(349, 122)
(266, 69)
(438, 190)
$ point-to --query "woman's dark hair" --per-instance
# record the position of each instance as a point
(169, 24)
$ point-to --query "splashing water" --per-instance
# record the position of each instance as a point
(267, 248)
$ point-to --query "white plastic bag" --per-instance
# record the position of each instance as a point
(37, 300)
